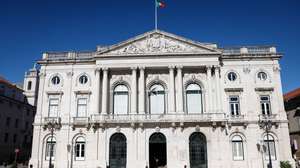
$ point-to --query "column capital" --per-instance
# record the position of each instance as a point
(171, 66)
(179, 66)
(105, 69)
(133, 67)
(209, 67)
(142, 67)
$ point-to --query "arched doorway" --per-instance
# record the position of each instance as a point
(117, 151)
(198, 150)
(157, 150)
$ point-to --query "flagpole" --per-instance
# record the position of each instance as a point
(155, 5)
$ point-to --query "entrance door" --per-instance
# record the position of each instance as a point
(198, 153)
(117, 151)
(157, 150)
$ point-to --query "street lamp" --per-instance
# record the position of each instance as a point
(267, 125)
(51, 126)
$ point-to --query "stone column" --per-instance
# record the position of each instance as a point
(133, 90)
(142, 91)
(209, 92)
(97, 91)
(180, 89)
(218, 90)
(171, 89)
(104, 91)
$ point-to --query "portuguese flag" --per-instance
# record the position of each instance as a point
(160, 4)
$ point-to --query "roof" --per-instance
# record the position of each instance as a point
(8, 83)
(292, 94)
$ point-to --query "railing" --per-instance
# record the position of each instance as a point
(56, 120)
(267, 117)
(80, 120)
(249, 50)
(237, 118)
(204, 117)
(68, 55)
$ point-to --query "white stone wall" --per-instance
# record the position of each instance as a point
(208, 68)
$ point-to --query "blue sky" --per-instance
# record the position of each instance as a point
(30, 27)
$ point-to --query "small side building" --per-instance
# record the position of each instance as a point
(17, 111)
(292, 107)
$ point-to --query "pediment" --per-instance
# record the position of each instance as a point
(157, 43)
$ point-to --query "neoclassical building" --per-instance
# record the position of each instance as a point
(160, 100)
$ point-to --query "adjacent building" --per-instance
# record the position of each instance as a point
(292, 107)
(16, 118)
(161, 100)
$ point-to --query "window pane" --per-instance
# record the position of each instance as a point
(157, 102)
(121, 103)
(194, 102)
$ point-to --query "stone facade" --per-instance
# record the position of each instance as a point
(171, 63)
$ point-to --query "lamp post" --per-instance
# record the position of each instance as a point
(267, 125)
(51, 126)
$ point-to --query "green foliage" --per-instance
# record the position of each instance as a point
(285, 164)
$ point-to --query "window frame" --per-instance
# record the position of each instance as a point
(55, 80)
(53, 105)
(262, 76)
(232, 76)
(82, 105)
(236, 105)
(81, 143)
(191, 92)
(50, 147)
(115, 93)
(235, 141)
(83, 79)
(271, 139)
(265, 105)
(162, 92)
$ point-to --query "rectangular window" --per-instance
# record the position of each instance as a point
(272, 149)
(7, 121)
(50, 150)
(234, 104)
(16, 123)
(6, 137)
(15, 138)
(265, 105)
(238, 153)
(81, 107)
(53, 107)
(79, 150)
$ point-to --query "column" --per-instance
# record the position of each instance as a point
(218, 90)
(97, 91)
(209, 87)
(133, 90)
(104, 91)
(172, 89)
(180, 89)
(142, 91)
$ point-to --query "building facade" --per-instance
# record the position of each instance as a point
(160, 100)
(292, 107)
(16, 119)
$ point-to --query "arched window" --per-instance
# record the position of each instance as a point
(120, 97)
(50, 148)
(80, 148)
(237, 148)
(198, 150)
(269, 143)
(29, 85)
(194, 98)
(83, 79)
(157, 99)
(117, 151)
(262, 76)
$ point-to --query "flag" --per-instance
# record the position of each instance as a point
(160, 4)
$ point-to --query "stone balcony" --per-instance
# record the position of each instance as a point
(80, 122)
(271, 117)
(158, 118)
(52, 120)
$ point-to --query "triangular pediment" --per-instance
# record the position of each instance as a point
(157, 43)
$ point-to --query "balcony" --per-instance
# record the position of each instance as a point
(271, 117)
(80, 121)
(52, 120)
(156, 118)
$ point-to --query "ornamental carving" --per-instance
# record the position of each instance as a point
(157, 43)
